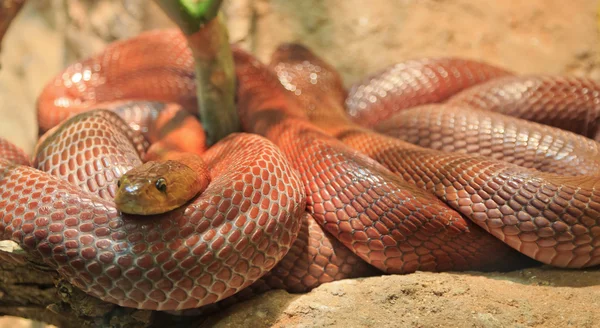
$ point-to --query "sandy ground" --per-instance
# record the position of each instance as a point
(551, 36)
(526, 298)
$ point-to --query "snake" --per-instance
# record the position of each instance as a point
(552, 218)
(292, 202)
(574, 104)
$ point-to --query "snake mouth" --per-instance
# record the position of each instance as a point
(126, 206)
(133, 207)
(137, 200)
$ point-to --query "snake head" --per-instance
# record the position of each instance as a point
(157, 187)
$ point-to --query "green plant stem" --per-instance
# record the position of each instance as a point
(190, 15)
(208, 39)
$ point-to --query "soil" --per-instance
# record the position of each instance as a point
(541, 36)
(542, 297)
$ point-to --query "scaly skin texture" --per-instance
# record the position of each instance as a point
(412, 83)
(162, 71)
(225, 239)
(12, 153)
(389, 223)
(394, 225)
(166, 126)
(457, 128)
(567, 102)
(315, 257)
(551, 218)
(90, 151)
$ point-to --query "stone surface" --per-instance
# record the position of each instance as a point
(551, 36)
(527, 298)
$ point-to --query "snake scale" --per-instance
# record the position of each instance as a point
(323, 184)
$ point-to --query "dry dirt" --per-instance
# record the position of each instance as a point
(551, 36)
(527, 298)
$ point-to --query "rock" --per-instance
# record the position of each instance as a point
(527, 37)
(541, 297)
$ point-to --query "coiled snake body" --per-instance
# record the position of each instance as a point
(305, 196)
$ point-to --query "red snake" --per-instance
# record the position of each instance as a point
(573, 106)
(551, 218)
(397, 206)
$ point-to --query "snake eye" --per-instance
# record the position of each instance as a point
(161, 185)
(118, 183)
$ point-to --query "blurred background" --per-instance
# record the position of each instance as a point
(358, 37)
